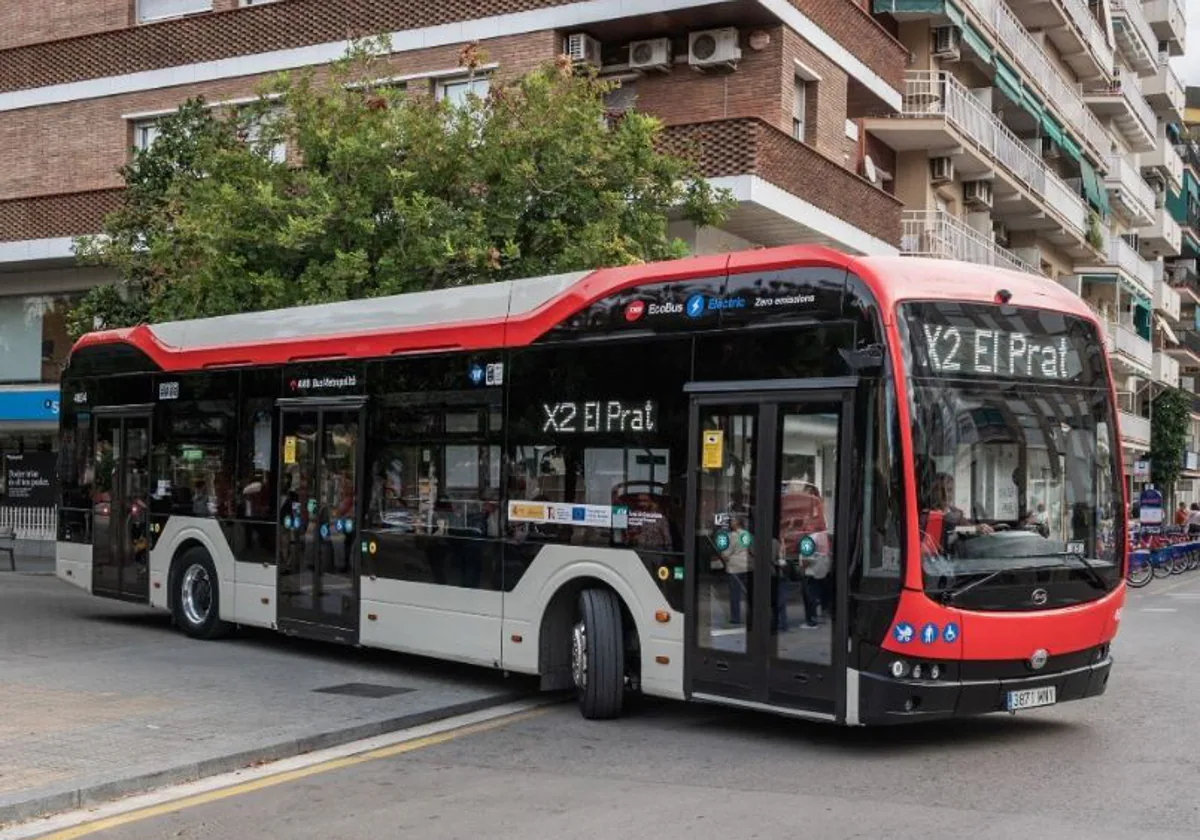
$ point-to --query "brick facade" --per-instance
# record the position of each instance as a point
(296, 23)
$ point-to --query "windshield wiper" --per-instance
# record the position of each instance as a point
(1092, 571)
(949, 595)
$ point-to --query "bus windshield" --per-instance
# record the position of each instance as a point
(1017, 486)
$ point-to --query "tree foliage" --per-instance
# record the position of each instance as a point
(1170, 419)
(385, 192)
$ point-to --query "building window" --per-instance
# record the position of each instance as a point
(277, 150)
(456, 91)
(145, 132)
(33, 338)
(151, 10)
(799, 101)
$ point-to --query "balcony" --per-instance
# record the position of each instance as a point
(1181, 275)
(1060, 93)
(788, 193)
(1134, 429)
(1128, 350)
(1187, 351)
(1124, 103)
(1129, 191)
(1164, 93)
(1166, 299)
(1165, 369)
(1123, 256)
(939, 116)
(1070, 26)
(936, 233)
(1162, 237)
(1169, 22)
(1166, 161)
(1135, 39)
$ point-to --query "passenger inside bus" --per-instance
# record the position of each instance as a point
(941, 520)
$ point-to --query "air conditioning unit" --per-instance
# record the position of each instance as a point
(1000, 233)
(978, 194)
(947, 43)
(582, 48)
(714, 48)
(941, 170)
(654, 54)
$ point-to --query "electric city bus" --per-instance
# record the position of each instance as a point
(858, 490)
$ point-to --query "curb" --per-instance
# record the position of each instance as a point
(92, 795)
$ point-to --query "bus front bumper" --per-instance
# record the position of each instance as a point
(884, 700)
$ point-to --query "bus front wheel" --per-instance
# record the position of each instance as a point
(598, 654)
(196, 596)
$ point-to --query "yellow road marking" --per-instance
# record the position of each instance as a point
(152, 811)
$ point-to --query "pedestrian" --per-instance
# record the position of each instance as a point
(737, 557)
(1181, 514)
(1193, 520)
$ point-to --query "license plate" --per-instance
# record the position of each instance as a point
(1031, 698)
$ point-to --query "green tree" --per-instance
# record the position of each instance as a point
(1169, 423)
(385, 192)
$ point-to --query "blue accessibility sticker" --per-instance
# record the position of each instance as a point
(903, 632)
(929, 633)
(950, 632)
(325, 531)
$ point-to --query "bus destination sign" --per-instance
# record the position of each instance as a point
(981, 352)
(599, 417)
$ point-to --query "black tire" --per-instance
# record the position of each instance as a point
(1193, 560)
(1162, 569)
(1140, 573)
(1178, 563)
(598, 655)
(197, 615)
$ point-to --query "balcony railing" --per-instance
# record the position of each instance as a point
(1129, 178)
(1134, 427)
(1129, 90)
(1165, 91)
(1163, 233)
(1189, 340)
(1124, 256)
(1063, 95)
(1165, 369)
(1134, 32)
(1166, 159)
(939, 94)
(936, 233)
(1166, 298)
(1122, 339)
(1096, 39)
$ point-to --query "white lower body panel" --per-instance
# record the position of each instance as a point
(73, 563)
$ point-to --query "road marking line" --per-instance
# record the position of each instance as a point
(1159, 609)
(1174, 586)
(169, 800)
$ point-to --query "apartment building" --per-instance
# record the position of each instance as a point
(770, 92)
(1037, 135)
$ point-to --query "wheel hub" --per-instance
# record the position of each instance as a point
(196, 595)
(579, 655)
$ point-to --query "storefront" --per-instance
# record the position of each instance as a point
(28, 425)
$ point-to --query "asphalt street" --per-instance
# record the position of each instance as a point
(1123, 766)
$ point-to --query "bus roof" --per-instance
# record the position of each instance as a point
(516, 312)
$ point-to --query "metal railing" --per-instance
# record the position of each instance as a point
(1189, 340)
(1130, 178)
(1134, 427)
(930, 93)
(1167, 82)
(1132, 11)
(1125, 256)
(1131, 89)
(1063, 94)
(1092, 33)
(936, 233)
(30, 523)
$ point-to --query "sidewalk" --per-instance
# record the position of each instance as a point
(99, 699)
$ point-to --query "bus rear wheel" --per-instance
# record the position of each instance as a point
(196, 596)
(598, 655)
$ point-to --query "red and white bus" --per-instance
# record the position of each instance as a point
(860, 490)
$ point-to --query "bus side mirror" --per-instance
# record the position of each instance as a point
(864, 359)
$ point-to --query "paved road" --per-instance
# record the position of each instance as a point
(1124, 766)
(94, 692)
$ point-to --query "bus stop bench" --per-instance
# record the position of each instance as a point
(8, 544)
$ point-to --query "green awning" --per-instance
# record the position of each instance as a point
(1073, 151)
(1050, 129)
(976, 42)
(1008, 82)
(1091, 187)
(900, 7)
(955, 15)
(1031, 104)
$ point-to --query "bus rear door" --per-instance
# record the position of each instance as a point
(120, 507)
(318, 519)
(766, 602)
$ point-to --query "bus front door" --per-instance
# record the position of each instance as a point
(120, 507)
(765, 604)
(318, 557)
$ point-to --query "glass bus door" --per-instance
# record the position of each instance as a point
(765, 604)
(120, 507)
(318, 554)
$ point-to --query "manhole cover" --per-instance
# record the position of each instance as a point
(364, 690)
